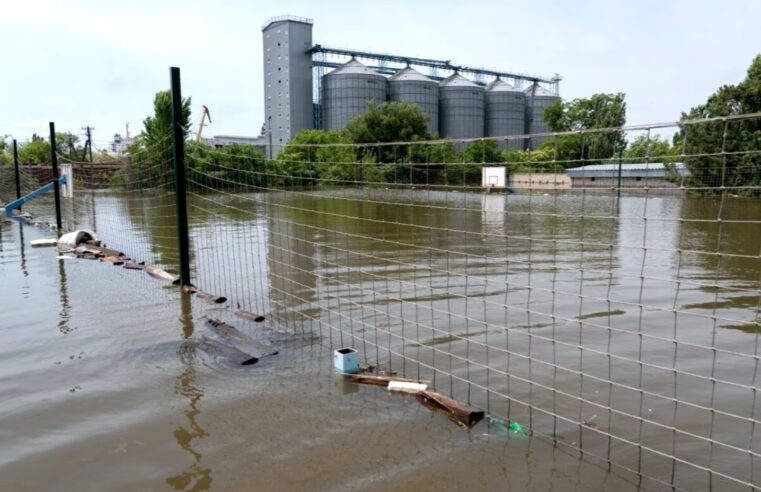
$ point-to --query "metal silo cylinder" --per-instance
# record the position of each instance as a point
(537, 100)
(505, 114)
(347, 90)
(461, 108)
(409, 85)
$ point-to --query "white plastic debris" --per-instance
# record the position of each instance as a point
(71, 240)
(43, 243)
(406, 386)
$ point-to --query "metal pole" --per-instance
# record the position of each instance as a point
(178, 154)
(56, 186)
(18, 174)
(620, 160)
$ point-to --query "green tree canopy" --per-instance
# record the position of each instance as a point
(151, 152)
(735, 167)
(598, 111)
(654, 149)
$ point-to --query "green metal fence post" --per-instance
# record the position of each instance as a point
(18, 173)
(178, 155)
(56, 186)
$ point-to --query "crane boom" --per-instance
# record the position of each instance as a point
(202, 122)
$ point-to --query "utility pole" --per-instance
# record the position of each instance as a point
(88, 145)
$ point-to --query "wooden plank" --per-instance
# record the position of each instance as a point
(456, 411)
(379, 380)
(240, 339)
(211, 297)
(113, 259)
(219, 349)
(160, 274)
(248, 315)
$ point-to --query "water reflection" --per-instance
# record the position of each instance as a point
(65, 315)
(196, 477)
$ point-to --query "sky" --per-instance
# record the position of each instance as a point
(100, 63)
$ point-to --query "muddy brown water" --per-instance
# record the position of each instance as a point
(103, 388)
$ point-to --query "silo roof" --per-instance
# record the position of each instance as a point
(500, 85)
(409, 74)
(354, 67)
(457, 80)
(540, 91)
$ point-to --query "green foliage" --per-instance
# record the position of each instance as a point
(6, 150)
(653, 149)
(730, 170)
(35, 151)
(229, 167)
(532, 161)
(151, 153)
(598, 111)
(386, 123)
(317, 154)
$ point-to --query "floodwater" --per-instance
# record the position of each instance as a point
(551, 310)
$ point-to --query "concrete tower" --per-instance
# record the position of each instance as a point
(287, 79)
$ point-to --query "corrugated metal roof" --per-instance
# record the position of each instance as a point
(500, 85)
(410, 74)
(457, 80)
(539, 92)
(354, 67)
(651, 169)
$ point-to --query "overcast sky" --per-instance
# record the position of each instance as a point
(99, 63)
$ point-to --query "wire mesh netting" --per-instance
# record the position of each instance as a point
(609, 302)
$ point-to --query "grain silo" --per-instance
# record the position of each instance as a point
(505, 114)
(409, 85)
(461, 108)
(347, 90)
(537, 100)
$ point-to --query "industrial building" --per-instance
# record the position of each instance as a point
(640, 175)
(313, 86)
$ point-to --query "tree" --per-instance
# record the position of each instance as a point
(151, 152)
(5, 150)
(654, 149)
(317, 154)
(385, 123)
(598, 111)
(738, 165)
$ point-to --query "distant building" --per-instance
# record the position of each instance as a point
(121, 144)
(259, 142)
(650, 175)
(309, 85)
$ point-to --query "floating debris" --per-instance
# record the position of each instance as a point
(248, 315)
(43, 243)
(71, 240)
(459, 413)
(219, 349)
(160, 274)
(242, 341)
(406, 386)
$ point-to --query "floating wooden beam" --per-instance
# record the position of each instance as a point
(219, 349)
(456, 411)
(239, 339)
(248, 315)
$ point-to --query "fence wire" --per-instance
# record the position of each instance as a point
(614, 310)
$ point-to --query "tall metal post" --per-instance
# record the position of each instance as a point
(620, 165)
(18, 173)
(56, 186)
(178, 155)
